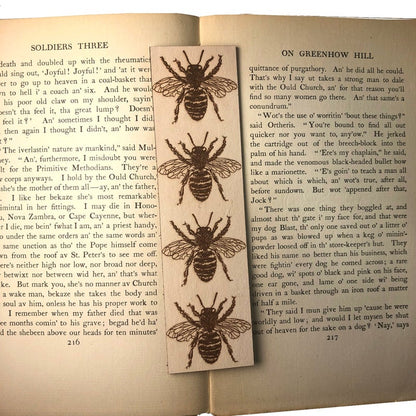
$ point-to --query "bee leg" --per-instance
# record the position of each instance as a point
(219, 150)
(220, 188)
(207, 64)
(215, 69)
(224, 230)
(178, 103)
(224, 267)
(186, 316)
(211, 98)
(210, 148)
(229, 348)
(194, 311)
(176, 153)
(229, 311)
(190, 230)
(191, 351)
(215, 226)
(186, 272)
(170, 69)
(185, 280)
(182, 190)
(181, 234)
(220, 306)
(185, 149)
(181, 68)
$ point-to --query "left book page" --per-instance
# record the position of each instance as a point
(81, 317)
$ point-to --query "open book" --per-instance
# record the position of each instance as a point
(327, 130)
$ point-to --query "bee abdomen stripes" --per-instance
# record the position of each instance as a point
(196, 103)
(205, 265)
(209, 346)
(200, 184)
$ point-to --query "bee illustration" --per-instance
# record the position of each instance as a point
(204, 249)
(209, 331)
(199, 169)
(194, 87)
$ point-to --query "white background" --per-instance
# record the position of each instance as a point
(348, 8)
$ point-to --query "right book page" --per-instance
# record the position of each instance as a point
(328, 144)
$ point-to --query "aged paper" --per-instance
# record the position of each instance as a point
(82, 318)
(202, 218)
(328, 137)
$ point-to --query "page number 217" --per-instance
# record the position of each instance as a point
(332, 337)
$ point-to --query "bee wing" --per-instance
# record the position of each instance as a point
(228, 246)
(183, 331)
(233, 327)
(224, 167)
(174, 169)
(219, 86)
(169, 86)
(178, 250)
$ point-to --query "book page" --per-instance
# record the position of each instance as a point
(82, 321)
(328, 126)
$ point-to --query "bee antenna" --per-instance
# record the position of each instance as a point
(186, 56)
(200, 58)
(191, 140)
(200, 301)
(215, 298)
(210, 217)
(206, 136)
(196, 220)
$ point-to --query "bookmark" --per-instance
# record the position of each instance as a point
(201, 200)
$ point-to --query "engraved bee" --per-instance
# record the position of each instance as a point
(209, 331)
(204, 249)
(199, 169)
(194, 87)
